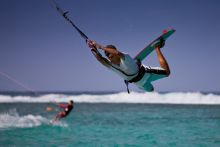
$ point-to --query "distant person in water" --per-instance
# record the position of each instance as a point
(67, 108)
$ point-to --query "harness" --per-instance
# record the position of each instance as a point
(141, 72)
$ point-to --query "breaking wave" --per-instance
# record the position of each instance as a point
(123, 97)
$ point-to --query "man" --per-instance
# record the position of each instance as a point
(130, 70)
(67, 108)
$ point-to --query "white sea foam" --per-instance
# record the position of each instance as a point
(123, 97)
(12, 119)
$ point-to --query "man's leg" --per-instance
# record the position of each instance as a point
(56, 118)
(162, 60)
(59, 116)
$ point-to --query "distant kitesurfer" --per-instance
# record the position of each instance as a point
(130, 70)
(67, 108)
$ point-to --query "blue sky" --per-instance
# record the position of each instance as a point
(43, 52)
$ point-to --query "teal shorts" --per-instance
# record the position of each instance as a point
(152, 74)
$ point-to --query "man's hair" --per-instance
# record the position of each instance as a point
(71, 101)
(111, 46)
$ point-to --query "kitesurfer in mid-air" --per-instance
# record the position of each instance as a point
(67, 108)
(130, 70)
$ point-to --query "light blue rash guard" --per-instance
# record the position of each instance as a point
(128, 69)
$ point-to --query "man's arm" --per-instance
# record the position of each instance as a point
(62, 105)
(97, 54)
(109, 50)
(101, 59)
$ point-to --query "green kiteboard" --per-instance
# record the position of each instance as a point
(148, 49)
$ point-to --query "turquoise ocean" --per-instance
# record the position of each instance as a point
(182, 119)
